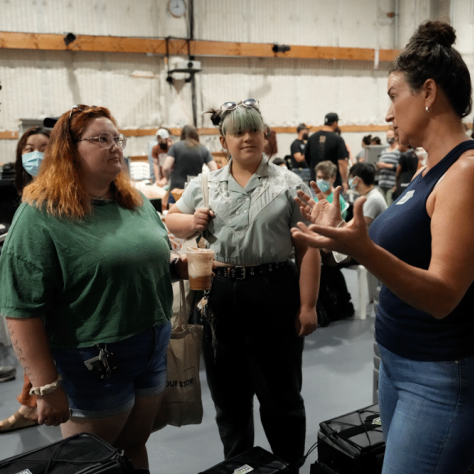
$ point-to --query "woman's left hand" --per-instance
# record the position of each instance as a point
(306, 322)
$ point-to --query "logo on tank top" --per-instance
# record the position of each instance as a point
(405, 198)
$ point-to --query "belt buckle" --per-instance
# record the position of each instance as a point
(241, 269)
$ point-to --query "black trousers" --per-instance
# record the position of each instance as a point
(257, 352)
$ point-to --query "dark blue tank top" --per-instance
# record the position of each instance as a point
(404, 230)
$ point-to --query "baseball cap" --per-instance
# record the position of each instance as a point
(331, 117)
(50, 122)
(162, 133)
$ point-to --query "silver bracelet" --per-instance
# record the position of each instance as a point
(45, 389)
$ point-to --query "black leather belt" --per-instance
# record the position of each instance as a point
(241, 273)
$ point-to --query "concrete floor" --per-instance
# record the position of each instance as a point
(337, 371)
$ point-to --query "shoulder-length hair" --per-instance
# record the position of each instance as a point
(22, 178)
(59, 188)
(190, 135)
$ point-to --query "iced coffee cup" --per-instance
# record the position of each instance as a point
(200, 268)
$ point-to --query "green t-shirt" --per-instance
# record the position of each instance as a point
(342, 203)
(101, 279)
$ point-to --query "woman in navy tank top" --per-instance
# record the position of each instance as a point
(422, 248)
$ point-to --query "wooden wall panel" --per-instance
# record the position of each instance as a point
(117, 44)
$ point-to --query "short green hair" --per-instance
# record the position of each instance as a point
(241, 119)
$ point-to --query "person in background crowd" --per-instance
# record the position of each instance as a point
(362, 179)
(387, 165)
(29, 156)
(421, 249)
(151, 145)
(326, 172)
(298, 146)
(260, 304)
(186, 158)
(376, 141)
(85, 285)
(408, 165)
(366, 141)
(159, 154)
(350, 156)
(328, 145)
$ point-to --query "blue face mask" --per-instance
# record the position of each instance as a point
(323, 185)
(351, 183)
(32, 161)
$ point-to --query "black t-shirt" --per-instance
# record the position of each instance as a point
(188, 161)
(298, 146)
(324, 146)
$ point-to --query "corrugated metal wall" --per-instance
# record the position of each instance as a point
(308, 22)
(134, 87)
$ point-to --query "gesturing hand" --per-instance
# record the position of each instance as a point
(322, 212)
(351, 239)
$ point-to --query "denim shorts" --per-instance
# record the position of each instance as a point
(141, 372)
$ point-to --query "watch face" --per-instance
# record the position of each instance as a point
(177, 7)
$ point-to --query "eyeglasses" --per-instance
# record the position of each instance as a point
(249, 103)
(106, 140)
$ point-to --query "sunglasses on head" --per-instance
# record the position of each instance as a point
(249, 103)
(80, 108)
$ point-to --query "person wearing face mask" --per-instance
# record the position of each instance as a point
(298, 146)
(29, 155)
(362, 179)
(159, 154)
(387, 165)
(326, 172)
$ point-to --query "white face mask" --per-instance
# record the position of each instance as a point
(351, 183)
(32, 161)
(323, 185)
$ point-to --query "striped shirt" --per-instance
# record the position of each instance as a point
(387, 175)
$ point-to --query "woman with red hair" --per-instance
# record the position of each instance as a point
(86, 287)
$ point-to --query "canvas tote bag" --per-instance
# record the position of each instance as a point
(182, 404)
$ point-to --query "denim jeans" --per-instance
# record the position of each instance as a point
(427, 411)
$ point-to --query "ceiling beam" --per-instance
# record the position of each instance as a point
(119, 44)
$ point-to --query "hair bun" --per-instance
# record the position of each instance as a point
(437, 32)
(215, 116)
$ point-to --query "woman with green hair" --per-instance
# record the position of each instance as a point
(261, 304)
